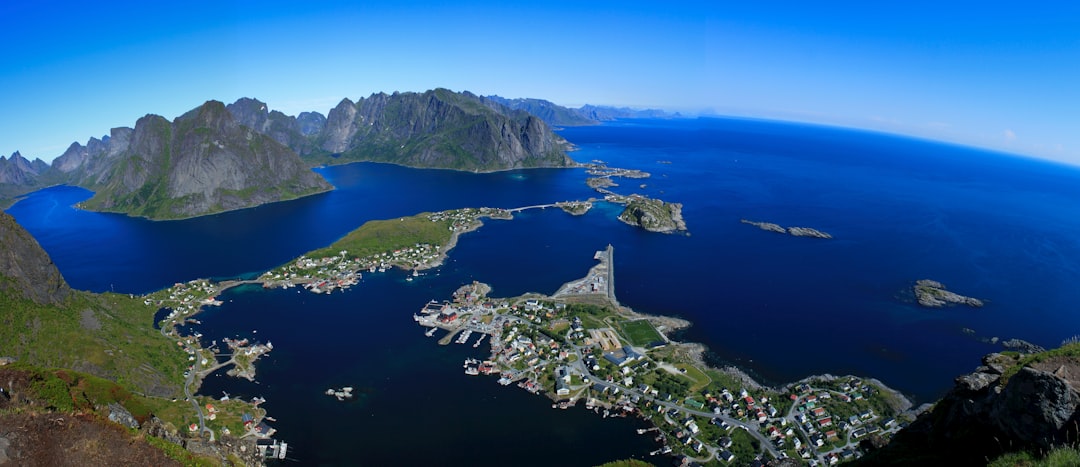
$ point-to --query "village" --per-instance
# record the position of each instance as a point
(577, 345)
(573, 348)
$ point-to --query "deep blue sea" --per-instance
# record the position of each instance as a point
(1002, 228)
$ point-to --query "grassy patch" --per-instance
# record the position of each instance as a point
(700, 380)
(1058, 457)
(1067, 351)
(180, 454)
(641, 333)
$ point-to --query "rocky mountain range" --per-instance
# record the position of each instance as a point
(17, 170)
(437, 128)
(19, 175)
(218, 158)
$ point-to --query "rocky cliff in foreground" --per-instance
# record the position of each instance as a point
(1012, 402)
(25, 269)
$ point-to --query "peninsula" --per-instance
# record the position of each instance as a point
(581, 345)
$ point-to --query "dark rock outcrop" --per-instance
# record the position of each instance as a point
(1001, 407)
(25, 269)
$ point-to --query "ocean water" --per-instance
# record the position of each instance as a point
(997, 227)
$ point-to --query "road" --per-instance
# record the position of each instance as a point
(195, 402)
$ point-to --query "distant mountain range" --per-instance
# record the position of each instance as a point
(556, 115)
(218, 158)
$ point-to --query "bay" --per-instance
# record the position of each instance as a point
(993, 226)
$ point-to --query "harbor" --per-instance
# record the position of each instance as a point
(580, 345)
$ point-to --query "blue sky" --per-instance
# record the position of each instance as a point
(1001, 75)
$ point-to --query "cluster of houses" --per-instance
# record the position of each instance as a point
(464, 219)
(184, 298)
(829, 417)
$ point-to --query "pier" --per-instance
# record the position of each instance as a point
(610, 262)
(599, 281)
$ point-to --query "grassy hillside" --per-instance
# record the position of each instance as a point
(108, 335)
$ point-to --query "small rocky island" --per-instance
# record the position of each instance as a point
(794, 231)
(600, 182)
(653, 215)
(932, 294)
(576, 208)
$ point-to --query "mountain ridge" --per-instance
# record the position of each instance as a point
(202, 162)
(438, 128)
(191, 167)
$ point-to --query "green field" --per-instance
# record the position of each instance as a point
(640, 333)
(388, 235)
